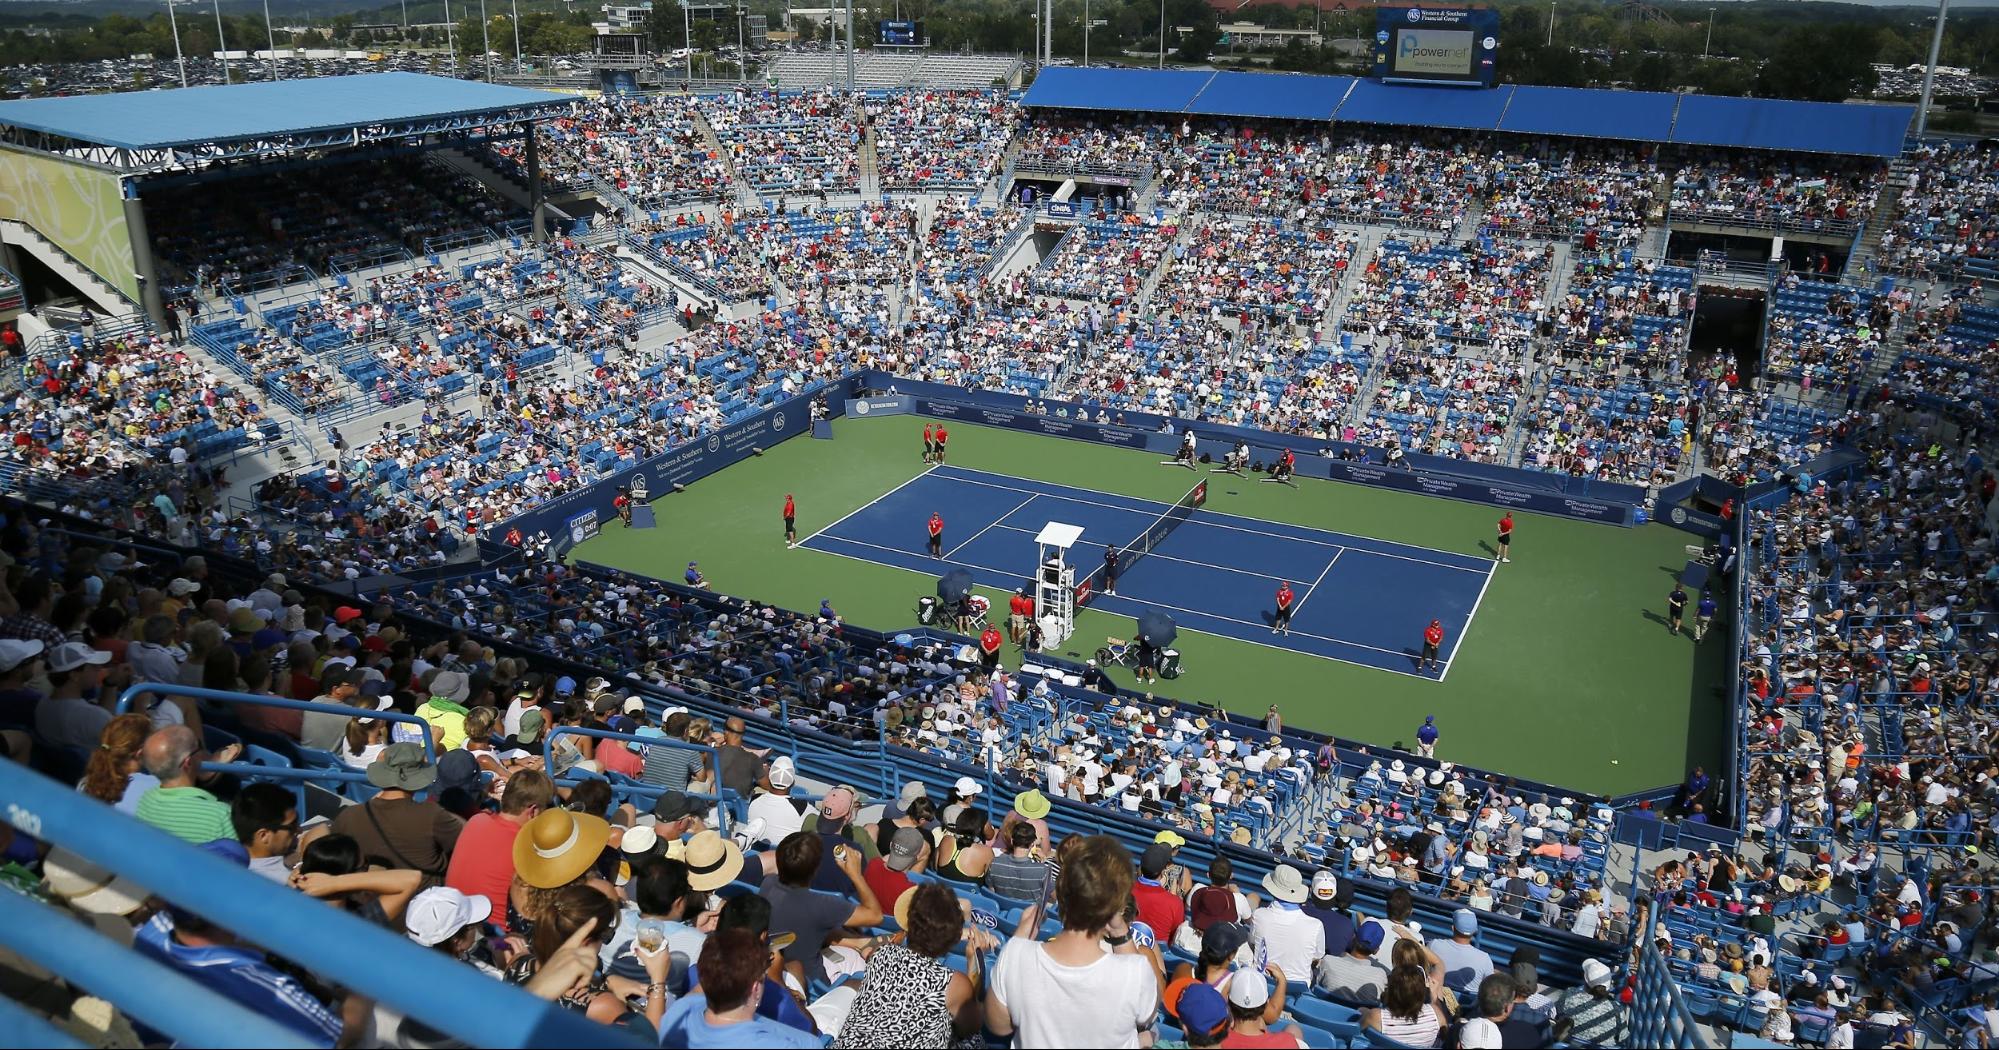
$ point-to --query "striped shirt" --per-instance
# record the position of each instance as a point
(670, 767)
(187, 813)
(1016, 878)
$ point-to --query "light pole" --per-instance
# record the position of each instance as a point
(517, 37)
(271, 39)
(1162, 34)
(224, 43)
(486, 39)
(450, 38)
(1551, 23)
(1930, 71)
(1710, 33)
(1086, 34)
(179, 59)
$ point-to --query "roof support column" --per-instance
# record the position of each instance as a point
(142, 256)
(535, 205)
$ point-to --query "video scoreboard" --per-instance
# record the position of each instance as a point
(1436, 45)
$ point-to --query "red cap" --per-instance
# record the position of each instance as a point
(345, 613)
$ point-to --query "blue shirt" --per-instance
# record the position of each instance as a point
(693, 577)
(244, 977)
(1428, 733)
(686, 1025)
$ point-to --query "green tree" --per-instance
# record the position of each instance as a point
(1824, 63)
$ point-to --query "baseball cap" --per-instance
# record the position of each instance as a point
(782, 774)
(635, 705)
(1224, 939)
(675, 805)
(71, 655)
(346, 613)
(1465, 921)
(1158, 857)
(1202, 1010)
(836, 808)
(1249, 989)
(16, 651)
(438, 913)
(1325, 886)
(903, 849)
(967, 787)
(1369, 935)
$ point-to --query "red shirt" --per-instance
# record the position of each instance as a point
(1506, 525)
(991, 641)
(1433, 634)
(1013, 605)
(1288, 458)
(889, 885)
(1159, 908)
(929, 431)
(1284, 597)
(617, 757)
(936, 525)
(482, 864)
(943, 435)
(790, 511)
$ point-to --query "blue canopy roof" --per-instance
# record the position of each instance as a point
(1419, 105)
(1133, 90)
(236, 112)
(1295, 97)
(1642, 116)
(1811, 127)
(1634, 116)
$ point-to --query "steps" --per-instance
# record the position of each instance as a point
(870, 160)
(106, 299)
(744, 193)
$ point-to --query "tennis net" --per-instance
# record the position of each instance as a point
(1155, 534)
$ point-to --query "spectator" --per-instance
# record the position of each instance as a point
(780, 813)
(333, 868)
(1593, 1012)
(266, 820)
(889, 874)
(1249, 996)
(1495, 1003)
(76, 710)
(482, 858)
(909, 998)
(1018, 874)
(114, 774)
(1160, 905)
(451, 922)
(742, 770)
(1289, 938)
(179, 806)
(1410, 1013)
(1354, 978)
(1332, 905)
(723, 1012)
(814, 917)
(215, 957)
(661, 894)
(1067, 991)
(393, 828)
(1464, 964)
(572, 920)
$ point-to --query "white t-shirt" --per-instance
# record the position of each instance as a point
(1480, 1034)
(1291, 939)
(1104, 1004)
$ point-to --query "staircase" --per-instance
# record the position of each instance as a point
(714, 145)
(108, 300)
(871, 175)
(501, 184)
(1887, 209)
(1166, 260)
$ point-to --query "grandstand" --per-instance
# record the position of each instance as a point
(897, 71)
(313, 534)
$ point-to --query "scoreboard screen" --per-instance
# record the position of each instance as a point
(1436, 45)
(902, 34)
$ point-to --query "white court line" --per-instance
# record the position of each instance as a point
(924, 473)
(1232, 528)
(1309, 591)
(1175, 608)
(1465, 631)
(989, 527)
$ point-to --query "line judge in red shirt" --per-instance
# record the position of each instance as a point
(936, 535)
(1433, 637)
(943, 435)
(929, 441)
(790, 522)
(1506, 536)
(1281, 623)
(1020, 609)
(989, 648)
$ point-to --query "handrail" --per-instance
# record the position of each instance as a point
(714, 759)
(32, 1029)
(138, 689)
(356, 953)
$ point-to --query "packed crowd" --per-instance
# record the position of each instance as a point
(1787, 192)
(1247, 267)
(650, 147)
(1946, 211)
(801, 143)
(1106, 260)
(935, 140)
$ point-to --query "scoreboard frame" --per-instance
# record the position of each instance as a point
(1447, 46)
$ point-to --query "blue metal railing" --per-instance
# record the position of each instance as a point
(138, 689)
(345, 949)
(1659, 1018)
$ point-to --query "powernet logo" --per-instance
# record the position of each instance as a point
(1433, 51)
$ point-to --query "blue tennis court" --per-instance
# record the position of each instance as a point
(1359, 600)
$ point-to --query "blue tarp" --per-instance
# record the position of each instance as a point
(1294, 97)
(1372, 102)
(1133, 90)
(1641, 116)
(1634, 116)
(1812, 127)
(190, 116)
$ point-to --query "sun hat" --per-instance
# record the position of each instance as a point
(638, 841)
(438, 913)
(558, 846)
(1595, 974)
(1171, 838)
(402, 767)
(712, 861)
(89, 888)
(1286, 884)
(451, 685)
(1031, 804)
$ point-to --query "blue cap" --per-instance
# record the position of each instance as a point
(1427, 719)
(1369, 935)
(1201, 1009)
(1465, 921)
(565, 686)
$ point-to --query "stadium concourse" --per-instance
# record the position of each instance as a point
(552, 804)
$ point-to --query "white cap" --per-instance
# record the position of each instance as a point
(967, 787)
(1595, 974)
(1325, 885)
(782, 773)
(438, 913)
(71, 655)
(635, 705)
(1248, 989)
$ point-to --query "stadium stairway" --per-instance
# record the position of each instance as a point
(1158, 274)
(461, 162)
(870, 160)
(106, 299)
(744, 193)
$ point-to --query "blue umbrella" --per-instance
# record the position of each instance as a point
(954, 585)
(904, 640)
(1156, 629)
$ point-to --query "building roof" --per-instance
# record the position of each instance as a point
(266, 110)
(1852, 129)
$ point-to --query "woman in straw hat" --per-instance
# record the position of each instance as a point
(557, 849)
